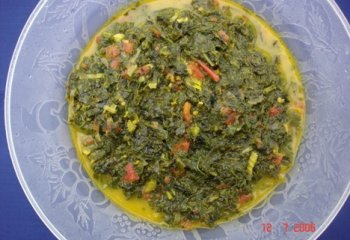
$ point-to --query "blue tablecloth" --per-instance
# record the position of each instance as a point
(17, 218)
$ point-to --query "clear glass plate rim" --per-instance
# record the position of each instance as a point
(8, 129)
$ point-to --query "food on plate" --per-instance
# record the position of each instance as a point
(186, 113)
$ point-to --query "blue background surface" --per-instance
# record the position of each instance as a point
(17, 218)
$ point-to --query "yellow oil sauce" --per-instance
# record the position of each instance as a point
(268, 41)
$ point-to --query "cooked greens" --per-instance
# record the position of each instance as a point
(183, 111)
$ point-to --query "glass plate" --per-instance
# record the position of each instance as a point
(72, 208)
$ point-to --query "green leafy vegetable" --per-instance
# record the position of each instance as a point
(183, 108)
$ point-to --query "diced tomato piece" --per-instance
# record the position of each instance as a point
(115, 64)
(231, 119)
(226, 111)
(212, 74)
(128, 47)
(196, 71)
(187, 112)
(112, 51)
(144, 70)
(277, 159)
(89, 140)
(275, 111)
(182, 146)
(167, 180)
(243, 198)
(130, 175)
